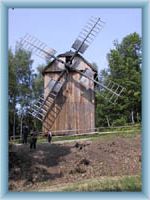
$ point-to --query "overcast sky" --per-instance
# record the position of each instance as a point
(58, 28)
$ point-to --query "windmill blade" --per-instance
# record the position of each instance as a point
(111, 91)
(39, 48)
(75, 64)
(88, 34)
(34, 45)
(38, 109)
(114, 90)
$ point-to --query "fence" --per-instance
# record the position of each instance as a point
(99, 130)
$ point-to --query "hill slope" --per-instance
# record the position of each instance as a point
(69, 162)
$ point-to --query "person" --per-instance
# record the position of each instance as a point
(25, 134)
(49, 136)
(33, 140)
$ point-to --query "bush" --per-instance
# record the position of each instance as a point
(119, 122)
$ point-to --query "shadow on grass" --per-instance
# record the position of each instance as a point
(37, 165)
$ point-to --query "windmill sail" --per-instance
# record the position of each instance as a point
(110, 91)
(37, 47)
(45, 105)
(113, 90)
(88, 34)
(84, 80)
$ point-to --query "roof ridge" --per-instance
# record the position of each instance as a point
(70, 53)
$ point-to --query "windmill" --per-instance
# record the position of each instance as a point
(70, 82)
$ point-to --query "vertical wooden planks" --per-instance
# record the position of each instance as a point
(78, 111)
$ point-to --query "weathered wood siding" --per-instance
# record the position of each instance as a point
(76, 103)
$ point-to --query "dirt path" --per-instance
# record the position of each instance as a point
(68, 162)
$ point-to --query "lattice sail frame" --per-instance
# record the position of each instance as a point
(114, 90)
(38, 47)
(88, 34)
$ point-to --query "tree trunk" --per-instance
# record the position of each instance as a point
(108, 123)
(132, 117)
(21, 120)
(138, 117)
(14, 125)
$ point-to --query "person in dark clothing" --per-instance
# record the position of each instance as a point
(25, 134)
(33, 140)
(49, 136)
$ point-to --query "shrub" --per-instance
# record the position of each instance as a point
(119, 122)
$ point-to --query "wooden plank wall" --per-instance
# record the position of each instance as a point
(78, 109)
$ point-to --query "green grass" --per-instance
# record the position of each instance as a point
(125, 183)
(104, 133)
(97, 136)
(130, 131)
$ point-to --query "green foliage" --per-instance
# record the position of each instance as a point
(20, 76)
(12, 90)
(24, 87)
(119, 122)
(38, 82)
(24, 77)
(124, 183)
(125, 69)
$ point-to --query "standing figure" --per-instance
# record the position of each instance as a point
(25, 134)
(33, 140)
(49, 136)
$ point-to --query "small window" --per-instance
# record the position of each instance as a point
(68, 58)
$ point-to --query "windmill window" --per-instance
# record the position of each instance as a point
(68, 59)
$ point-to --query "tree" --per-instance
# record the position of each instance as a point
(125, 69)
(38, 82)
(38, 90)
(25, 77)
(20, 87)
(12, 92)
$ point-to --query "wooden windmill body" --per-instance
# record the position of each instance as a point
(68, 101)
(74, 108)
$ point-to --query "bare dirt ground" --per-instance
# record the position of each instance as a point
(59, 163)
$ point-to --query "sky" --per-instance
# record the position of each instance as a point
(59, 28)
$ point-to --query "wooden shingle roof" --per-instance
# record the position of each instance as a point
(68, 54)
